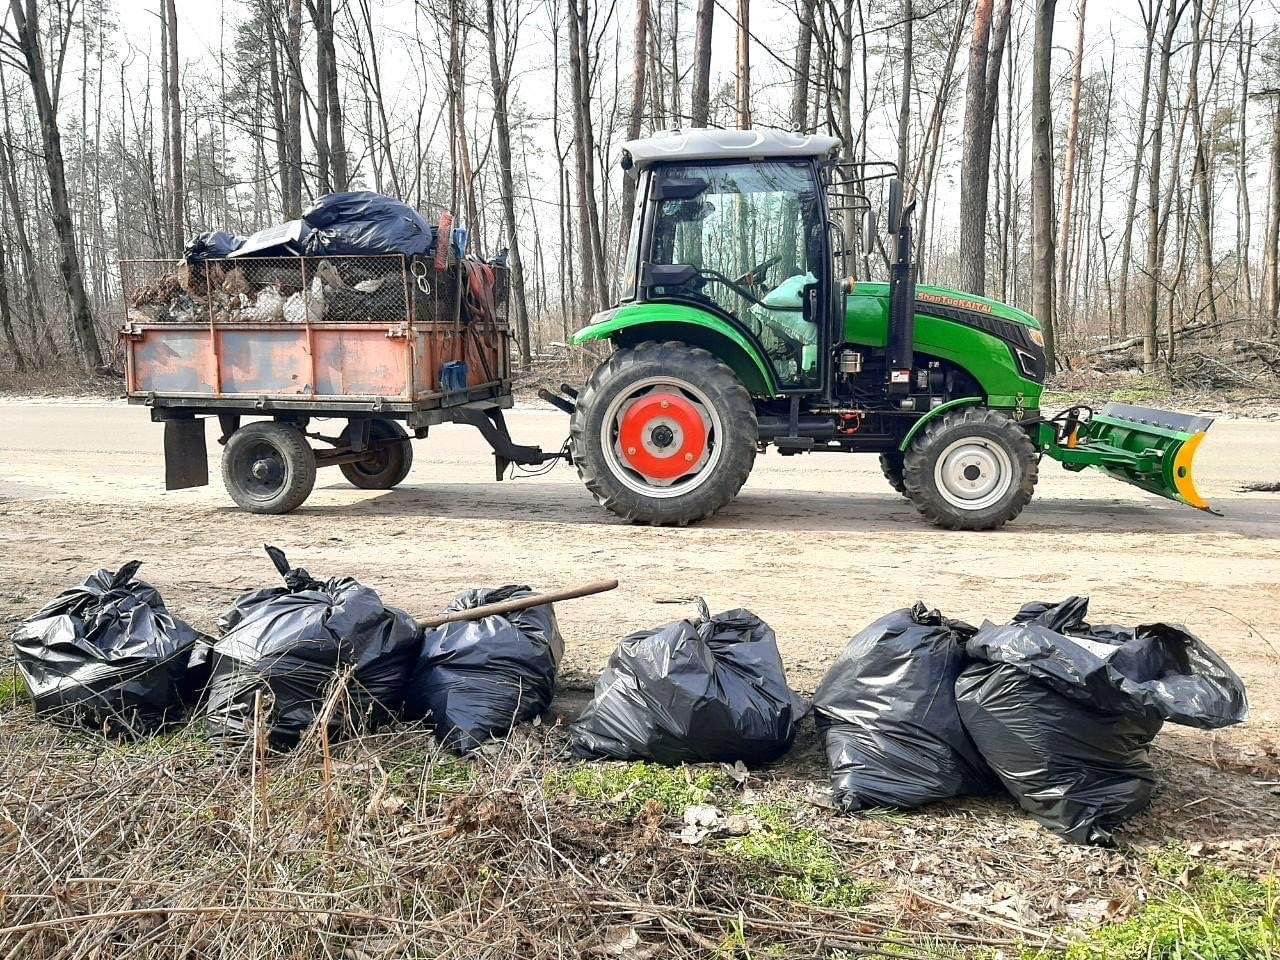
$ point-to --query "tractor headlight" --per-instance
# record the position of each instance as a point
(1036, 336)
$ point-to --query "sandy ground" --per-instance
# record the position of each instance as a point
(818, 546)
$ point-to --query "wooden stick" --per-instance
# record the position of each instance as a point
(519, 603)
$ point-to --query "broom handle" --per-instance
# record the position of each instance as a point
(519, 603)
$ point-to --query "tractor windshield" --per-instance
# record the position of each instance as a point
(752, 232)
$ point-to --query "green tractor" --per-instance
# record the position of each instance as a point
(736, 332)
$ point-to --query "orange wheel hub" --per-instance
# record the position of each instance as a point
(662, 436)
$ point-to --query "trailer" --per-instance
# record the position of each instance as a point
(391, 345)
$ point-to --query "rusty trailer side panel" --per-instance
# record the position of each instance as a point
(333, 330)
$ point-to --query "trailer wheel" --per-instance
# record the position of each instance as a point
(663, 433)
(268, 467)
(388, 463)
(891, 467)
(970, 469)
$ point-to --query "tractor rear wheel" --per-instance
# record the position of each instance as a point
(388, 462)
(663, 433)
(891, 467)
(970, 469)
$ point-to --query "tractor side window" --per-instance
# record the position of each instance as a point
(754, 238)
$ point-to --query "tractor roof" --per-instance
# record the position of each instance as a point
(692, 145)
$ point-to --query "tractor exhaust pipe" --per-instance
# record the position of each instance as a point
(902, 293)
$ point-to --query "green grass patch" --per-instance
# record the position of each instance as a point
(631, 789)
(1196, 913)
(437, 770)
(12, 690)
(806, 868)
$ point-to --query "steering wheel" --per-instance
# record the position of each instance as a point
(755, 276)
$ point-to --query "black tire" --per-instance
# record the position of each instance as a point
(987, 474)
(268, 467)
(891, 467)
(730, 451)
(388, 463)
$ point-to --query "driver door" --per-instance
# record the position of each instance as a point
(754, 236)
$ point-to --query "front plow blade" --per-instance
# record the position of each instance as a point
(1149, 448)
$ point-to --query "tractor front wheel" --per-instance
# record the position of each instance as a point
(970, 469)
(891, 467)
(663, 433)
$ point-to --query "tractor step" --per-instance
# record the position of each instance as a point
(1148, 448)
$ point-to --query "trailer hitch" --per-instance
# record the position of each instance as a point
(493, 427)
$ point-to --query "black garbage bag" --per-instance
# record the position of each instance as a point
(362, 222)
(109, 655)
(709, 690)
(212, 245)
(1065, 711)
(291, 644)
(476, 679)
(887, 713)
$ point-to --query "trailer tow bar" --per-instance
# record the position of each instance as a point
(493, 427)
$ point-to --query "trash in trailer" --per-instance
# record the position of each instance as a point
(477, 679)
(110, 656)
(887, 713)
(712, 689)
(1065, 711)
(282, 651)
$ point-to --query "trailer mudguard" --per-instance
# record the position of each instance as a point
(186, 458)
(636, 322)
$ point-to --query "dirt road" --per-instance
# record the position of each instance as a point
(818, 546)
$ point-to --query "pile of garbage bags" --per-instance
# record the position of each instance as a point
(917, 708)
(304, 655)
(1061, 713)
(475, 679)
(693, 691)
(1065, 712)
(109, 655)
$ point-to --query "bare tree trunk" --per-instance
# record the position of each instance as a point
(178, 197)
(986, 52)
(1244, 214)
(293, 111)
(700, 97)
(1271, 240)
(500, 77)
(634, 118)
(904, 98)
(324, 165)
(6, 315)
(591, 293)
(1200, 174)
(28, 36)
(1149, 347)
(804, 49)
(1042, 258)
(1069, 169)
(743, 87)
(1151, 15)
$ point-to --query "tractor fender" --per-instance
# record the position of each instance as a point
(936, 411)
(636, 323)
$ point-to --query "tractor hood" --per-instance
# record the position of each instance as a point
(955, 299)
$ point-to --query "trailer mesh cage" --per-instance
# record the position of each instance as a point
(353, 289)
(338, 327)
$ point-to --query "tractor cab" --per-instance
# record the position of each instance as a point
(735, 223)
